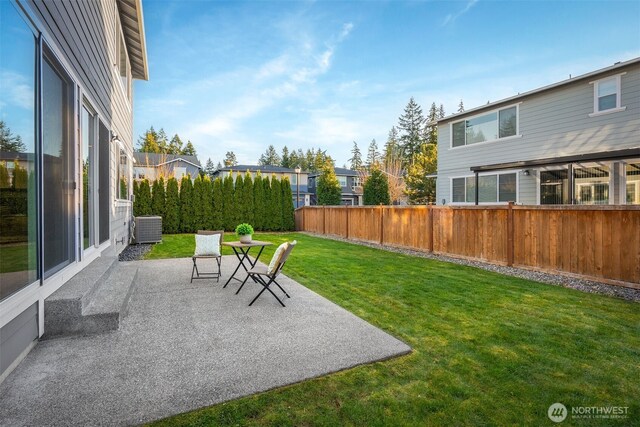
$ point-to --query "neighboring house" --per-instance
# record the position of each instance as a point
(77, 127)
(152, 166)
(273, 171)
(573, 142)
(350, 186)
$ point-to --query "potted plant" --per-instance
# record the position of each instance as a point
(245, 231)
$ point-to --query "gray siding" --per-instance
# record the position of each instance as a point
(551, 124)
(86, 33)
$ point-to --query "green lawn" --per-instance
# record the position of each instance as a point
(488, 349)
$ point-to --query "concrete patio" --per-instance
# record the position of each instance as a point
(184, 346)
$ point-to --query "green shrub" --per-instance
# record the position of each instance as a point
(144, 198)
(171, 220)
(217, 216)
(288, 220)
(376, 189)
(207, 203)
(228, 207)
(186, 205)
(197, 205)
(247, 199)
(158, 198)
(266, 190)
(258, 203)
(238, 207)
(275, 211)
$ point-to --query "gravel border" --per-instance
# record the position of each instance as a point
(135, 252)
(583, 285)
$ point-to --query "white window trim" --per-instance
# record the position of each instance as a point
(484, 113)
(511, 171)
(618, 107)
(126, 91)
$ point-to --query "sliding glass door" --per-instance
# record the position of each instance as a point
(58, 183)
(18, 225)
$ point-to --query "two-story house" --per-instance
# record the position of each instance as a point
(67, 99)
(350, 186)
(573, 142)
(152, 166)
(299, 189)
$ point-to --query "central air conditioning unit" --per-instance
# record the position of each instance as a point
(148, 229)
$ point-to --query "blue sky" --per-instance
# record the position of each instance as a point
(238, 76)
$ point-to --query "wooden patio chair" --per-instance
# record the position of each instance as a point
(266, 276)
(207, 253)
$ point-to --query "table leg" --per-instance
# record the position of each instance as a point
(240, 263)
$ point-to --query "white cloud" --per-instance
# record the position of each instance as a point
(451, 18)
(16, 90)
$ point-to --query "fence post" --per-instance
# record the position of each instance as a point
(347, 212)
(430, 228)
(324, 219)
(303, 212)
(381, 224)
(510, 235)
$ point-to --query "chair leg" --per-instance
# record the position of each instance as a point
(194, 269)
(265, 288)
(285, 292)
(244, 281)
(219, 261)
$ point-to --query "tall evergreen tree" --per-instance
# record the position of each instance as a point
(158, 198)
(373, 155)
(136, 194)
(219, 166)
(247, 199)
(186, 205)
(228, 207)
(20, 176)
(284, 159)
(461, 107)
(148, 142)
(230, 159)
(258, 203)
(189, 150)
(198, 219)
(392, 146)
(209, 168)
(411, 125)
(270, 157)
(238, 199)
(217, 215)
(420, 188)
(356, 157)
(441, 112)
(288, 220)
(175, 145)
(275, 205)
(163, 142)
(431, 130)
(266, 190)
(4, 175)
(328, 188)
(207, 203)
(171, 220)
(9, 141)
(376, 188)
(144, 194)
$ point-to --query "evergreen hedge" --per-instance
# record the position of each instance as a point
(266, 204)
(171, 219)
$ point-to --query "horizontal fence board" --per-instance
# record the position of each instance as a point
(601, 242)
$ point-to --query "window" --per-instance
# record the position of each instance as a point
(18, 243)
(491, 126)
(491, 188)
(633, 183)
(123, 175)
(554, 187)
(606, 95)
(88, 125)
(591, 185)
(124, 68)
(293, 178)
(342, 180)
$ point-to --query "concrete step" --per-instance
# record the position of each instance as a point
(93, 301)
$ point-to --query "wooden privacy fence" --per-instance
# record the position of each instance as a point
(598, 242)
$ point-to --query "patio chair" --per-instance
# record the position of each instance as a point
(266, 276)
(207, 247)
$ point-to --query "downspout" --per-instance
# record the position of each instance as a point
(477, 188)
